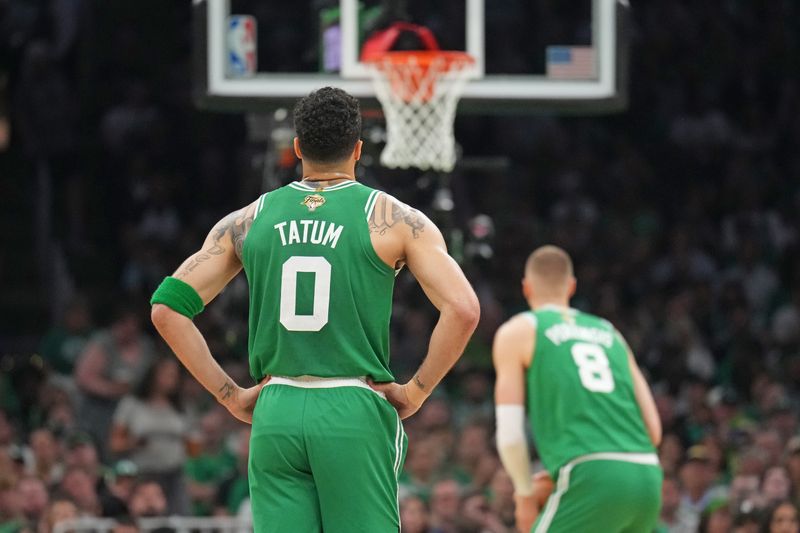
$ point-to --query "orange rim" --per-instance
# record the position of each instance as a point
(423, 58)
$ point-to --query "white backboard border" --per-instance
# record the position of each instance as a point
(213, 90)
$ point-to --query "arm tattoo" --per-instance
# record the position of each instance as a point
(216, 248)
(238, 224)
(192, 263)
(226, 391)
(388, 212)
(419, 382)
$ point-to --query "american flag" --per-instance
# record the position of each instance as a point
(570, 62)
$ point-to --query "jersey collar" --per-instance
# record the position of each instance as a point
(305, 187)
(559, 308)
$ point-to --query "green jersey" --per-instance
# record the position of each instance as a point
(580, 389)
(320, 297)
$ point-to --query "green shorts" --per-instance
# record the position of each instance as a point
(603, 496)
(325, 459)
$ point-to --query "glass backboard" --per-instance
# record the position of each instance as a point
(529, 54)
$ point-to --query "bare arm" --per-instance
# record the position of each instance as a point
(449, 291)
(511, 352)
(423, 250)
(647, 406)
(645, 400)
(208, 271)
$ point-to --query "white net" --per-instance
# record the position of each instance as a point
(419, 93)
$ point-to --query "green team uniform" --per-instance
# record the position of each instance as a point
(588, 428)
(325, 453)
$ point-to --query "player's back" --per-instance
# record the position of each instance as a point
(580, 390)
(320, 297)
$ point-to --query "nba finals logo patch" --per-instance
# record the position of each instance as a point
(313, 201)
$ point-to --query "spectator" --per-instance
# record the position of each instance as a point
(35, 499)
(414, 515)
(501, 498)
(114, 498)
(78, 485)
(671, 520)
(112, 365)
(234, 491)
(696, 477)
(12, 515)
(150, 428)
(147, 501)
(793, 466)
(716, 518)
(769, 442)
(17, 457)
(435, 414)
(744, 491)
(82, 455)
(47, 464)
(6, 431)
(670, 453)
(445, 502)
(64, 342)
(7, 474)
(474, 398)
(756, 277)
(775, 486)
(487, 466)
(475, 516)
(781, 517)
(58, 410)
(212, 465)
(59, 510)
(472, 446)
(423, 464)
(785, 327)
(752, 462)
(747, 520)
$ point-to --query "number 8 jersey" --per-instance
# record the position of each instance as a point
(320, 297)
(580, 390)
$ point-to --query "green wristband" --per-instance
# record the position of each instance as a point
(178, 296)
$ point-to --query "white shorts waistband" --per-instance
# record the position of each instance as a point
(314, 382)
(639, 458)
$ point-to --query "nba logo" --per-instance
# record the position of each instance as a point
(241, 46)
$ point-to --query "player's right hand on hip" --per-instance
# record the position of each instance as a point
(242, 403)
(398, 396)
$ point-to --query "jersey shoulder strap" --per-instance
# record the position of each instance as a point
(530, 316)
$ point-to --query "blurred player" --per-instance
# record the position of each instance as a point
(594, 420)
(320, 257)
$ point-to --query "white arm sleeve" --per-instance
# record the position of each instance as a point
(513, 447)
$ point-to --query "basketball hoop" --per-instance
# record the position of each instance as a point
(419, 92)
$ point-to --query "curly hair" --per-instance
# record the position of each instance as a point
(328, 125)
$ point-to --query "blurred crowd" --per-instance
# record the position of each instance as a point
(680, 215)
